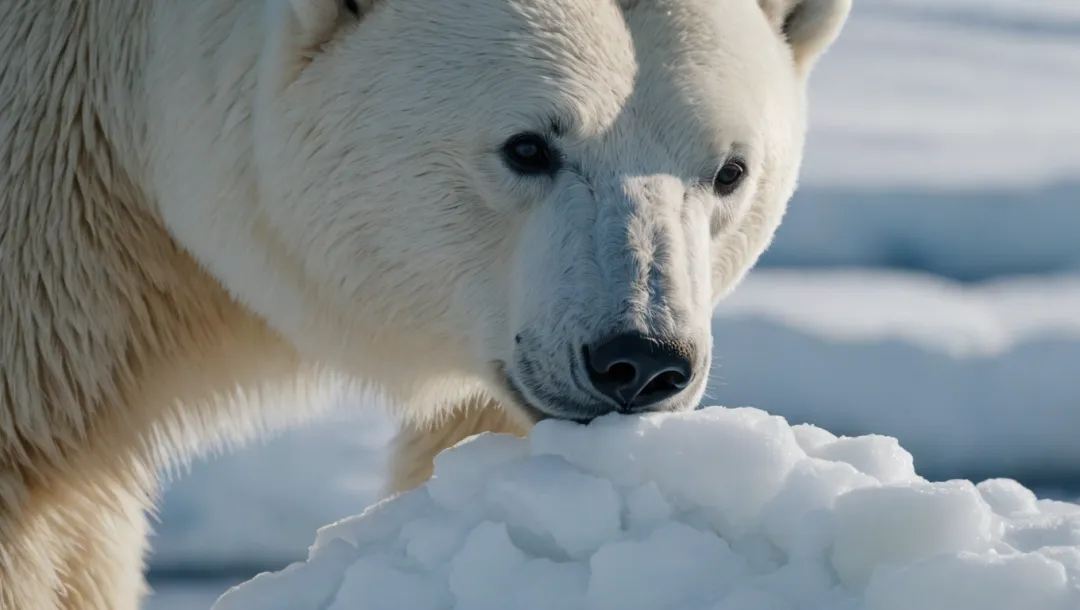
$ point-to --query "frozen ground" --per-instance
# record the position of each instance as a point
(943, 140)
(718, 509)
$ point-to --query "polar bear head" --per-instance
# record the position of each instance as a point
(546, 197)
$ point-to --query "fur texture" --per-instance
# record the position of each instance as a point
(211, 207)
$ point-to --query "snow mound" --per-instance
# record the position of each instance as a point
(716, 509)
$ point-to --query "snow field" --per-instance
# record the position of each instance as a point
(975, 380)
(716, 509)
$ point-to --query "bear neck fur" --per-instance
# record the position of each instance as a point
(121, 354)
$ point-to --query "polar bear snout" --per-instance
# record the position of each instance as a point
(636, 371)
(626, 372)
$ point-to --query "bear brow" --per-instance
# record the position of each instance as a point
(558, 125)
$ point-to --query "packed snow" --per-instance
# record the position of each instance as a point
(715, 509)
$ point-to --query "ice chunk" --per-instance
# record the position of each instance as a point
(880, 525)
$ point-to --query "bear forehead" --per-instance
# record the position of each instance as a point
(597, 39)
(603, 55)
(613, 38)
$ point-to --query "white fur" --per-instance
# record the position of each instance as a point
(207, 203)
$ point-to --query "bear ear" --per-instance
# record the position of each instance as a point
(809, 26)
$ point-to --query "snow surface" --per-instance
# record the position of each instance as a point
(717, 509)
(187, 594)
(949, 94)
(256, 507)
(976, 380)
(943, 137)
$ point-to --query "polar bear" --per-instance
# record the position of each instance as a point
(491, 211)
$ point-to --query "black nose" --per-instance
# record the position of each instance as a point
(637, 371)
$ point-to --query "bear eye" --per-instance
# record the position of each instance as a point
(728, 178)
(529, 154)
